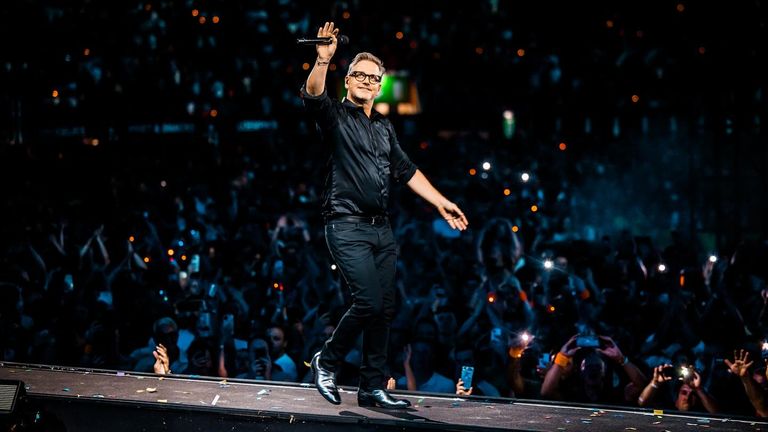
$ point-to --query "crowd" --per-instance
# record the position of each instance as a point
(203, 253)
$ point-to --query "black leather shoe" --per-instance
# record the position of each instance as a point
(325, 381)
(381, 399)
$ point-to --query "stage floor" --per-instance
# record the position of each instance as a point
(292, 403)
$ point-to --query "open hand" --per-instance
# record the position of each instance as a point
(570, 349)
(740, 364)
(453, 215)
(325, 52)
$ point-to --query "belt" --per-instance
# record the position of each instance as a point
(371, 220)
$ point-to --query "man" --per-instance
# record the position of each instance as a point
(691, 394)
(364, 155)
(286, 368)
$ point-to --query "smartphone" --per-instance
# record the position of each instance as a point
(466, 376)
(668, 372)
(496, 336)
(69, 284)
(194, 265)
(260, 352)
(686, 373)
(544, 361)
(587, 342)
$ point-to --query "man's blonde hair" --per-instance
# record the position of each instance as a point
(367, 56)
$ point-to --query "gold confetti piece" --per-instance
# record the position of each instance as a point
(151, 389)
(630, 428)
(215, 399)
(139, 391)
(658, 412)
(657, 422)
(307, 364)
(163, 400)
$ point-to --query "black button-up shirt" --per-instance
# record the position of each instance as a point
(365, 154)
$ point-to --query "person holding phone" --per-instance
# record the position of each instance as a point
(691, 395)
(465, 381)
(582, 374)
(661, 374)
(365, 158)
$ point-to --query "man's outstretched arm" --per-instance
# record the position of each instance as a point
(316, 79)
(448, 210)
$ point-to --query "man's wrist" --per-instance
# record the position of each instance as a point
(322, 62)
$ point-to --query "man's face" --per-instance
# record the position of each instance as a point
(366, 90)
(686, 398)
(276, 340)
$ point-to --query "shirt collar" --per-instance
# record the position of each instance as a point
(352, 106)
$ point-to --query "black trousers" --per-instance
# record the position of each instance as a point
(366, 256)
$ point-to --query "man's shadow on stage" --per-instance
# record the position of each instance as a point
(402, 414)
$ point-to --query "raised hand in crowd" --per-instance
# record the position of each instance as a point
(162, 362)
(563, 365)
(692, 392)
(740, 368)
(611, 350)
(460, 390)
(409, 375)
(661, 374)
(391, 384)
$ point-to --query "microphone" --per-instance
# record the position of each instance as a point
(341, 39)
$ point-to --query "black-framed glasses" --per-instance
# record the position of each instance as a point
(361, 76)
